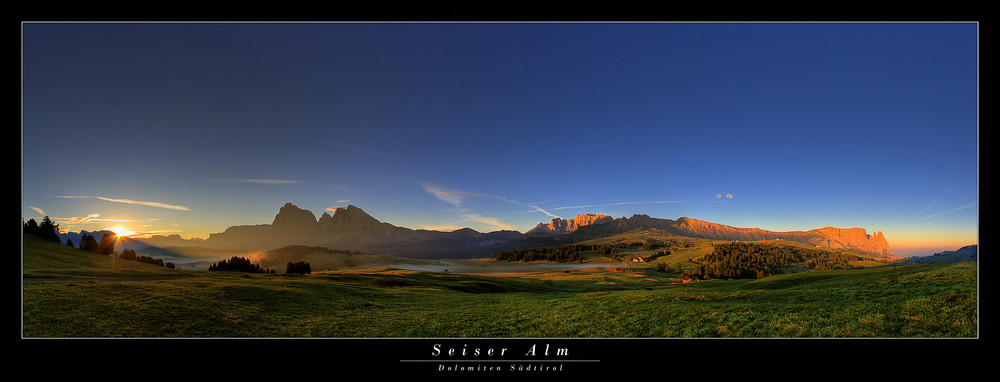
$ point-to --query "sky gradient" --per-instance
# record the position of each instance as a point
(190, 128)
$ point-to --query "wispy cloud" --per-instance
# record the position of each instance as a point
(935, 200)
(83, 219)
(148, 233)
(130, 201)
(949, 211)
(92, 218)
(488, 221)
(343, 201)
(457, 199)
(614, 204)
(719, 196)
(539, 209)
(142, 203)
(38, 210)
(452, 197)
(931, 204)
(442, 228)
(267, 181)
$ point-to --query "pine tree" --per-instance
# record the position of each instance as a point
(31, 227)
(89, 244)
(48, 230)
(107, 246)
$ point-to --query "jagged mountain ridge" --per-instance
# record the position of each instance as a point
(828, 237)
(353, 229)
(564, 226)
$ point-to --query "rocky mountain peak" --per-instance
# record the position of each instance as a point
(852, 238)
(563, 226)
(293, 220)
(349, 219)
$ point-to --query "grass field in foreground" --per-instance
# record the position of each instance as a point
(937, 300)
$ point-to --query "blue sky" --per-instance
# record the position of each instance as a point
(190, 128)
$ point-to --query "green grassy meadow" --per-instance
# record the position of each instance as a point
(70, 293)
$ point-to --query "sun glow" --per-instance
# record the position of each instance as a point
(121, 231)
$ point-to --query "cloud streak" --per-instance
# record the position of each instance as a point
(615, 204)
(92, 218)
(970, 205)
(442, 228)
(130, 201)
(539, 209)
(266, 181)
(489, 221)
(142, 203)
(457, 199)
(454, 198)
(83, 219)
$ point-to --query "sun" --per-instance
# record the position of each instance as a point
(122, 231)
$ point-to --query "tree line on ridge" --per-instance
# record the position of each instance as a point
(48, 230)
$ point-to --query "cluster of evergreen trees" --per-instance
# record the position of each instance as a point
(242, 264)
(46, 230)
(298, 268)
(572, 252)
(612, 249)
(238, 264)
(654, 244)
(755, 260)
(564, 253)
(90, 244)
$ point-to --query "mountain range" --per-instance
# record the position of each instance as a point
(352, 229)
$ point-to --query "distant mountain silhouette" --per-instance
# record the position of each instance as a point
(966, 253)
(76, 236)
(353, 229)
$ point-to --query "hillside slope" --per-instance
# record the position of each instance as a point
(48, 259)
